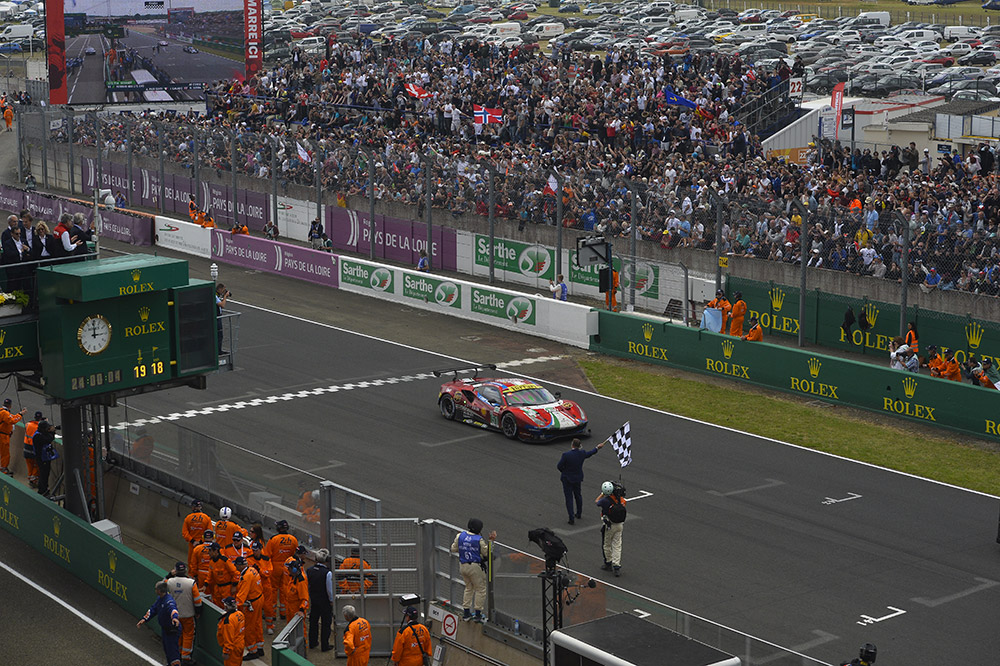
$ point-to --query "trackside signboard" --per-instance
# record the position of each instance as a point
(530, 260)
(367, 276)
(503, 305)
(432, 290)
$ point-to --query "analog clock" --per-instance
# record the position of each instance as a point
(94, 335)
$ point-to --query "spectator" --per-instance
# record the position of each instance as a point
(315, 235)
(755, 334)
(271, 230)
(164, 609)
(423, 265)
(930, 282)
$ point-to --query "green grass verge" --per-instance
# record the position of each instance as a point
(930, 456)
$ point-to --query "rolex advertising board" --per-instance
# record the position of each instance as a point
(836, 380)
(828, 321)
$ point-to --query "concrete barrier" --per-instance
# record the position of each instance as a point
(539, 315)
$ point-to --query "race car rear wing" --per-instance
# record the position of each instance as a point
(466, 368)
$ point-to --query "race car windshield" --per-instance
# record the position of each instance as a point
(529, 396)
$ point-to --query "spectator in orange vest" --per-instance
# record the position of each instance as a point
(7, 421)
(298, 589)
(262, 563)
(279, 548)
(950, 369)
(195, 524)
(202, 573)
(739, 312)
(611, 298)
(231, 633)
(29, 449)
(721, 303)
(226, 526)
(224, 574)
(8, 117)
(193, 211)
(357, 638)
(350, 583)
(755, 334)
(307, 506)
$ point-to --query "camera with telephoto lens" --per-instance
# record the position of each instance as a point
(619, 489)
(409, 600)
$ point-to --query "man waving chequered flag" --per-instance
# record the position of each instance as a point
(621, 442)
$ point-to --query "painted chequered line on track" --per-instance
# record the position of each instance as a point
(293, 395)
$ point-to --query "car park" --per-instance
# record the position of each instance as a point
(979, 57)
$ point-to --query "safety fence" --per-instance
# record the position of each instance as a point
(119, 573)
(863, 325)
(241, 176)
(921, 398)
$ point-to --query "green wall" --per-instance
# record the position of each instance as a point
(961, 406)
(120, 573)
(778, 308)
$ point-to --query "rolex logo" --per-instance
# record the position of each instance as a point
(870, 312)
(56, 524)
(112, 560)
(727, 348)
(814, 365)
(3, 334)
(6, 495)
(136, 275)
(777, 296)
(909, 387)
(647, 331)
(144, 313)
(973, 334)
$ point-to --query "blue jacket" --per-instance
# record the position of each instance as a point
(571, 464)
(164, 609)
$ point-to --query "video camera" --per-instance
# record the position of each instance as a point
(619, 489)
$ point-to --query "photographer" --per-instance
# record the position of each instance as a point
(45, 453)
(612, 504)
(413, 641)
(221, 299)
(472, 552)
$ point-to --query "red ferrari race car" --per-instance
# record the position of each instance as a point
(518, 408)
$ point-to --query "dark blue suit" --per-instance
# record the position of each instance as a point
(571, 466)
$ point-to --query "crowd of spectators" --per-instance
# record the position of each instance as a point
(607, 125)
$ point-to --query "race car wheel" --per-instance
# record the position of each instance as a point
(509, 425)
(448, 407)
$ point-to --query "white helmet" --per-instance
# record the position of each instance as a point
(225, 513)
(607, 488)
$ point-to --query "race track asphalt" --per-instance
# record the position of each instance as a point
(738, 529)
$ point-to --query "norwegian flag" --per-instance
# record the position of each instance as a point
(484, 115)
(621, 442)
(413, 90)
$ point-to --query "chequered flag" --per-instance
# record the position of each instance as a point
(621, 442)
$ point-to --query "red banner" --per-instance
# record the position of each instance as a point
(837, 102)
(55, 44)
(253, 17)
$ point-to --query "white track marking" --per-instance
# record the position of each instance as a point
(125, 644)
(771, 483)
(984, 584)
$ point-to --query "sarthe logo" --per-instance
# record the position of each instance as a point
(909, 387)
(381, 279)
(519, 308)
(446, 293)
(647, 331)
(534, 260)
(973, 335)
(814, 365)
(777, 296)
(727, 349)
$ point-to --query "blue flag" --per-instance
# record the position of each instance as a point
(673, 98)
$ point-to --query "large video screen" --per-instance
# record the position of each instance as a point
(133, 51)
